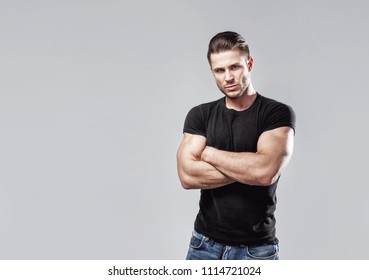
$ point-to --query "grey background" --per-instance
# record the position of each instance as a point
(93, 96)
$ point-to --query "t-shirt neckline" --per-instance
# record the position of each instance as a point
(233, 111)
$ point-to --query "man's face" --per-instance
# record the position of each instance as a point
(232, 72)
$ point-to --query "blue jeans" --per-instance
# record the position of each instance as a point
(203, 248)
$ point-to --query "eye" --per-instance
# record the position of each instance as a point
(234, 67)
(218, 70)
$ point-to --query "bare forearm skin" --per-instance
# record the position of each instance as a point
(246, 168)
(261, 168)
(193, 172)
(202, 175)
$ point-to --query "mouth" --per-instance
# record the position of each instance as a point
(231, 87)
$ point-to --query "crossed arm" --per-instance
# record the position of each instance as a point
(204, 167)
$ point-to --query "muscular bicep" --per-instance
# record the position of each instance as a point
(191, 147)
(276, 146)
(192, 171)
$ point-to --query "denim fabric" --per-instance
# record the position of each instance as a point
(203, 248)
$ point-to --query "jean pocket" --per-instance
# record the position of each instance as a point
(197, 240)
(263, 252)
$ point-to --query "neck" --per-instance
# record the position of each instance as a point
(242, 102)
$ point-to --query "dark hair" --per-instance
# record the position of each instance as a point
(226, 41)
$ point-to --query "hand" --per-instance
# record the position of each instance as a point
(207, 153)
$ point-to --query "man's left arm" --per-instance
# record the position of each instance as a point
(262, 168)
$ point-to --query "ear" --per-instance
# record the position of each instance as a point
(250, 63)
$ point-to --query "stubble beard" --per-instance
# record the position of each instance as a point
(233, 96)
(243, 89)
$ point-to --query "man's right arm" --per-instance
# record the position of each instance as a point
(192, 171)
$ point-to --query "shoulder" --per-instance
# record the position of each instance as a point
(271, 105)
(277, 112)
(208, 105)
(203, 110)
(197, 117)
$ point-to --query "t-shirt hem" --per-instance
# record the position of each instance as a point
(241, 242)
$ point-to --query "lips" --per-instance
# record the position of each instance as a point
(231, 87)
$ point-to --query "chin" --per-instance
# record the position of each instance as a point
(233, 95)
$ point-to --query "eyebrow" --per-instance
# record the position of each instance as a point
(235, 64)
(222, 68)
(218, 68)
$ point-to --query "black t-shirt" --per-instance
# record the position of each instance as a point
(238, 214)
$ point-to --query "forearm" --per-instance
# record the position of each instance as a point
(262, 168)
(193, 172)
(247, 168)
(198, 174)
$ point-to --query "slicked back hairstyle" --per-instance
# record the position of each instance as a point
(226, 41)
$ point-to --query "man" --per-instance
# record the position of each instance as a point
(234, 149)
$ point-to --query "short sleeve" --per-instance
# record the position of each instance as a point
(194, 122)
(278, 115)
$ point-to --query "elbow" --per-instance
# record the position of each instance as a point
(186, 182)
(266, 181)
(267, 178)
(185, 185)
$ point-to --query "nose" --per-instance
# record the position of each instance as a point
(228, 76)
